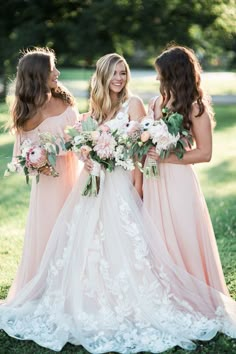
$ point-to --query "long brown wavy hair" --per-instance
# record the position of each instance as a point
(31, 89)
(180, 79)
(100, 101)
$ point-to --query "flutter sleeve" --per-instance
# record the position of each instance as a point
(73, 116)
(70, 120)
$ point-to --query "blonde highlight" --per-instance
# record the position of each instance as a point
(100, 102)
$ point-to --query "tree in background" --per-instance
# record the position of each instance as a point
(80, 31)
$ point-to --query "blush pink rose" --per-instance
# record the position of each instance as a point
(104, 128)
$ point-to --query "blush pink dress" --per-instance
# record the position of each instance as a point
(176, 204)
(46, 199)
(107, 282)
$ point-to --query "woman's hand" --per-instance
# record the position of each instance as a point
(88, 164)
(153, 154)
(46, 170)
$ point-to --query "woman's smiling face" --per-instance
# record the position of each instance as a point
(119, 79)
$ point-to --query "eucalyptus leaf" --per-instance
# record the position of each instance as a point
(183, 143)
(68, 145)
(89, 124)
(162, 154)
(185, 132)
(71, 131)
(179, 154)
(52, 159)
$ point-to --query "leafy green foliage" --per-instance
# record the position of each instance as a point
(89, 124)
(174, 121)
(138, 29)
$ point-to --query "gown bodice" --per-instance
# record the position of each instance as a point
(121, 118)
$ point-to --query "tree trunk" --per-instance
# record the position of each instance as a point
(3, 87)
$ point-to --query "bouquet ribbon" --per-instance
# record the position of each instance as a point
(151, 169)
(92, 185)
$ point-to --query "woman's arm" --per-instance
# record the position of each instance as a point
(138, 181)
(136, 108)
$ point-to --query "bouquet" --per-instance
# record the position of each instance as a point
(167, 135)
(105, 147)
(35, 156)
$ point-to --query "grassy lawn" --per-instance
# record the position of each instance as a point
(219, 186)
(143, 83)
(221, 83)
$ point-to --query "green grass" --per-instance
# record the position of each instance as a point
(214, 83)
(76, 74)
(219, 186)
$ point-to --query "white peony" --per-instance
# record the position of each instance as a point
(79, 139)
(12, 167)
(147, 122)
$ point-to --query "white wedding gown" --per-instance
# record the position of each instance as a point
(107, 282)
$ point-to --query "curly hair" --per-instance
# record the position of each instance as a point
(100, 101)
(31, 89)
(180, 79)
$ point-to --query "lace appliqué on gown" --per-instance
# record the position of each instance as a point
(99, 285)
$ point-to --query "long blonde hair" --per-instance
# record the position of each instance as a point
(31, 89)
(101, 104)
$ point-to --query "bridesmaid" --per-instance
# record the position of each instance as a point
(41, 104)
(175, 200)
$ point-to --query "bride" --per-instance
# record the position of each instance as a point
(103, 283)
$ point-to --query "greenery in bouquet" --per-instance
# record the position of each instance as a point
(35, 156)
(167, 135)
(104, 146)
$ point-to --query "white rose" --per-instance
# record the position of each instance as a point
(78, 139)
(158, 131)
(50, 147)
(25, 150)
(12, 167)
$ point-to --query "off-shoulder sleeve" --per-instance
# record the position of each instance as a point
(16, 147)
(73, 115)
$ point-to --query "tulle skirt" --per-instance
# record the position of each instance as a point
(108, 283)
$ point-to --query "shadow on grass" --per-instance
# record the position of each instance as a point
(14, 190)
(219, 345)
(224, 116)
(223, 216)
(220, 174)
(4, 291)
(5, 154)
(10, 345)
